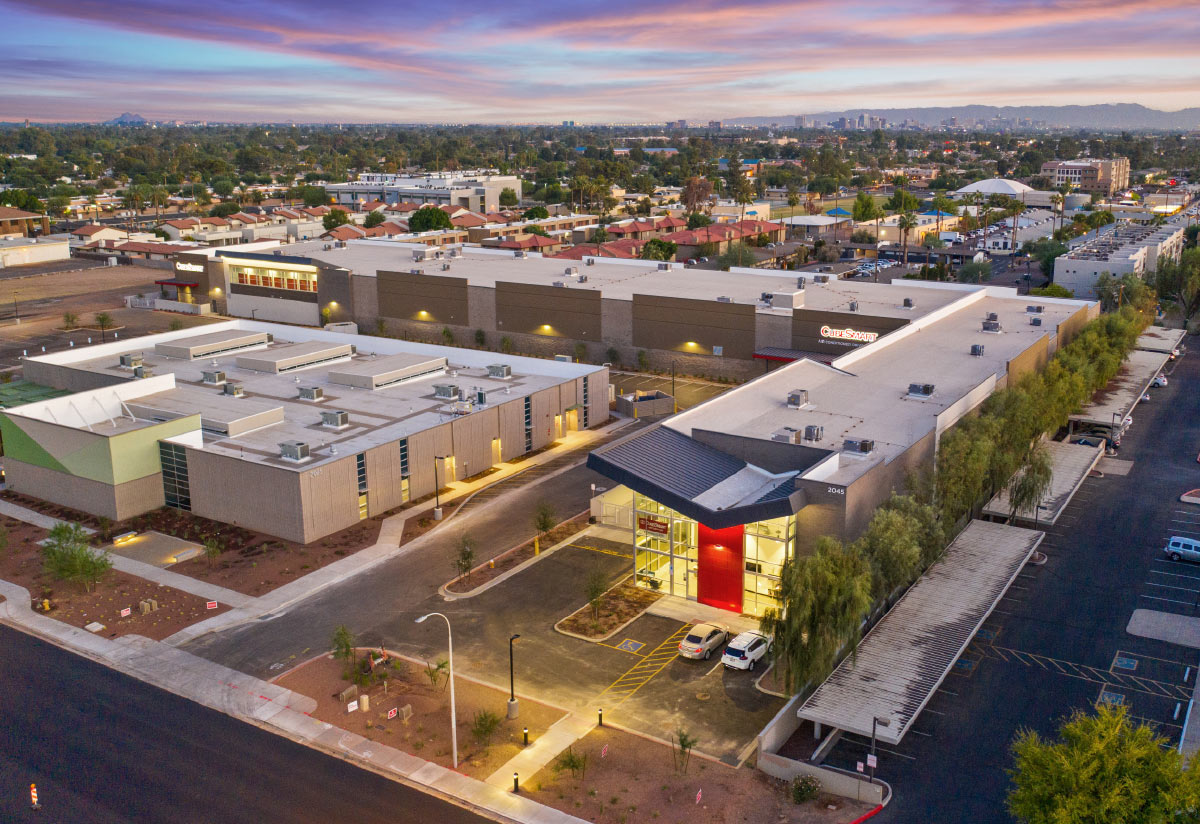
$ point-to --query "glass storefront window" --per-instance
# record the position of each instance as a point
(653, 570)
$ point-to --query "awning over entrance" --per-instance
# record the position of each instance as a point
(182, 284)
(777, 353)
(904, 659)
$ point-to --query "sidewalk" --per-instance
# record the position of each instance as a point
(281, 711)
(562, 734)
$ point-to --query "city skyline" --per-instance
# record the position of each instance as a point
(621, 62)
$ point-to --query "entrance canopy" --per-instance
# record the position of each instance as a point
(906, 656)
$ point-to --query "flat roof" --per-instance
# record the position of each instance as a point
(1071, 463)
(907, 655)
(622, 279)
(271, 411)
(1124, 391)
(863, 395)
(1160, 339)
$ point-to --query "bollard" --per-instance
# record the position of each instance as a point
(33, 797)
(526, 737)
(600, 715)
(515, 783)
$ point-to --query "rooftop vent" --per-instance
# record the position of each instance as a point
(590, 262)
(977, 350)
(130, 361)
(786, 435)
(921, 390)
(992, 316)
(583, 278)
(445, 267)
(213, 377)
(858, 447)
(559, 283)
(142, 371)
(416, 271)
(664, 267)
(312, 393)
(293, 451)
(479, 396)
(335, 418)
(800, 284)
(571, 271)
(446, 391)
(812, 432)
(499, 370)
(991, 326)
(908, 303)
(1035, 321)
(235, 388)
(520, 253)
(797, 398)
(766, 297)
(724, 299)
(1035, 310)
(853, 306)
(821, 278)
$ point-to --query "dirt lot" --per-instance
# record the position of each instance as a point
(619, 605)
(499, 564)
(250, 562)
(427, 733)
(21, 564)
(637, 781)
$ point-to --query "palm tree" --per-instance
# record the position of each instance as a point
(906, 223)
(1014, 211)
(1057, 201)
(941, 204)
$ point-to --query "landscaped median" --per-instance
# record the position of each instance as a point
(507, 562)
(607, 611)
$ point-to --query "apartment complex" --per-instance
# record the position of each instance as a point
(477, 190)
(294, 432)
(1101, 176)
(1128, 249)
(716, 498)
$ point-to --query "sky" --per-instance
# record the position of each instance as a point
(522, 61)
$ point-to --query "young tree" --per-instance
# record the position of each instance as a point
(595, 588)
(484, 727)
(823, 598)
(104, 322)
(544, 520)
(600, 235)
(975, 272)
(428, 219)
(1102, 769)
(343, 644)
(212, 550)
(682, 745)
(738, 254)
(464, 559)
(68, 557)
(70, 320)
(508, 197)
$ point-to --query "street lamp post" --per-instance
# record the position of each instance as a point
(513, 707)
(450, 648)
(882, 722)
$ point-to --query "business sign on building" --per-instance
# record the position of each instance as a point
(847, 336)
(182, 266)
(648, 524)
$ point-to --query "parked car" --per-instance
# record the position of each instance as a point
(1179, 549)
(1159, 380)
(702, 641)
(1088, 440)
(744, 651)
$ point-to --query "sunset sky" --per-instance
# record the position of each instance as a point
(618, 60)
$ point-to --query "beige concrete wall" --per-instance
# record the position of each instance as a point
(512, 428)
(245, 493)
(423, 447)
(383, 478)
(329, 498)
(273, 309)
(545, 407)
(472, 440)
(772, 330)
(113, 502)
(66, 377)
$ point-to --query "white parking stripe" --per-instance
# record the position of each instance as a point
(1174, 574)
(1169, 586)
(1169, 600)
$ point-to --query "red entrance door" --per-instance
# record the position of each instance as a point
(720, 570)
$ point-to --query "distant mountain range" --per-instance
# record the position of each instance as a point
(126, 119)
(1111, 116)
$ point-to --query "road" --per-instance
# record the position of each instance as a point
(1057, 641)
(103, 747)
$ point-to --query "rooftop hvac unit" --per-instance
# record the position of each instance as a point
(800, 284)
(293, 451)
(520, 253)
(564, 358)
(590, 262)
(130, 361)
(1035, 310)
(924, 390)
(235, 389)
(278, 253)
(447, 391)
(480, 396)
(991, 326)
(813, 432)
(559, 283)
(785, 435)
(583, 278)
(821, 278)
(142, 371)
(1035, 321)
(213, 377)
(766, 297)
(445, 267)
(853, 306)
(416, 271)
(797, 398)
(724, 299)
(418, 254)
(571, 271)
(335, 418)
(312, 393)
(992, 316)
(977, 350)
(499, 370)
(908, 303)
(664, 267)
(859, 447)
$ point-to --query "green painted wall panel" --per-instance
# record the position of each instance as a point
(135, 454)
(24, 448)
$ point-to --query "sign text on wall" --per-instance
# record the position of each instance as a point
(848, 334)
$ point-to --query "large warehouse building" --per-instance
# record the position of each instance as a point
(717, 497)
(294, 432)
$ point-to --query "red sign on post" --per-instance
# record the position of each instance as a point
(211, 605)
(392, 713)
(699, 794)
(647, 524)
(125, 613)
(604, 751)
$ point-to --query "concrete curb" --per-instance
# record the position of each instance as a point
(603, 638)
(450, 595)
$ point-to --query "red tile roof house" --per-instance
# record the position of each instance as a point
(620, 249)
(180, 228)
(691, 242)
(20, 223)
(775, 232)
(94, 232)
(634, 229)
(532, 243)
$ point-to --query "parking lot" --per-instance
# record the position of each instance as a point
(688, 392)
(1057, 641)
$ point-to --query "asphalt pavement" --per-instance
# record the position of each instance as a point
(104, 748)
(1057, 641)
(688, 392)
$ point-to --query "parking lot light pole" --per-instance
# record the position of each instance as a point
(513, 707)
(882, 722)
(450, 647)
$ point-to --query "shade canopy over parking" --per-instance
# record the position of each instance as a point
(1115, 401)
(1070, 465)
(906, 656)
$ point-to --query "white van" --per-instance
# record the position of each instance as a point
(1183, 549)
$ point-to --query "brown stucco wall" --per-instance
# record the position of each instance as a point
(527, 308)
(403, 296)
(1032, 359)
(333, 287)
(1069, 328)
(672, 323)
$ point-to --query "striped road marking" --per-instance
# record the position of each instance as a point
(651, 665)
